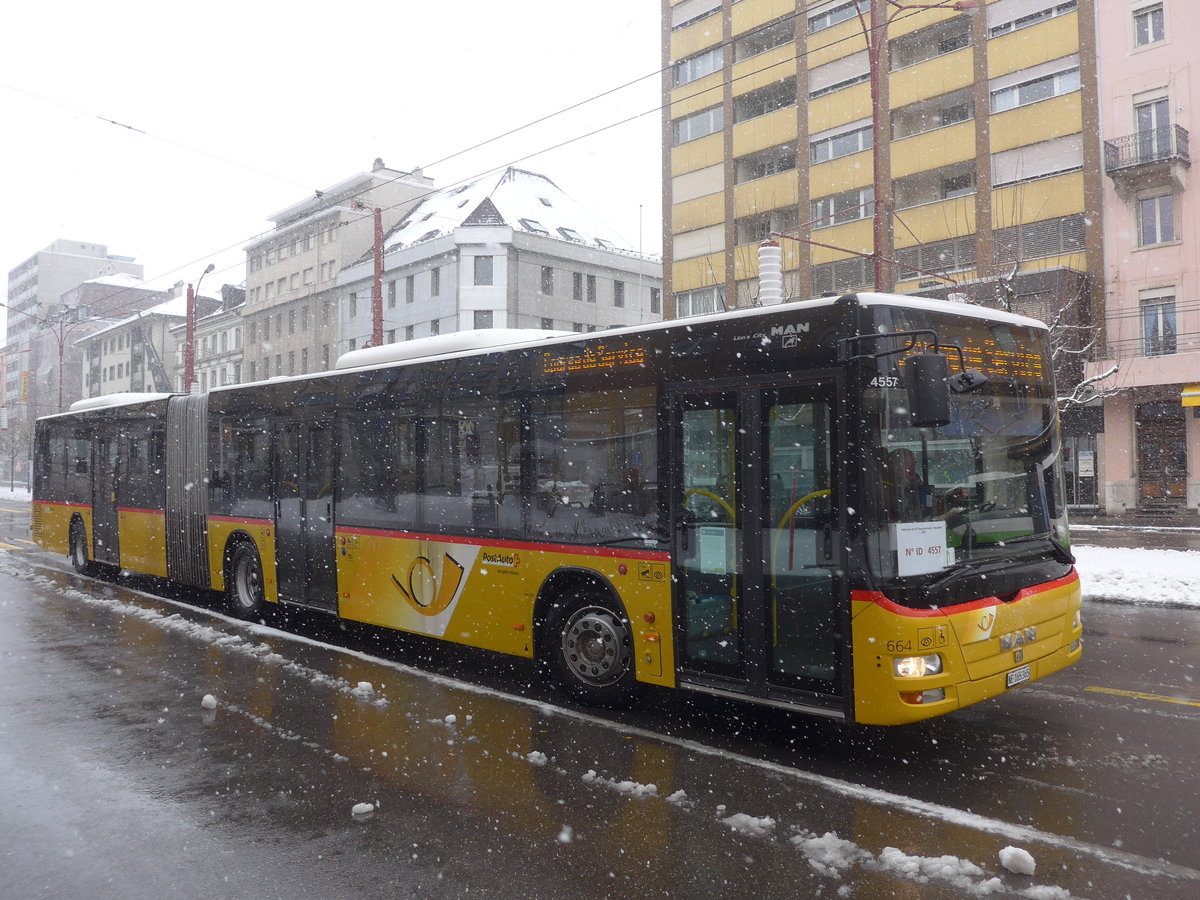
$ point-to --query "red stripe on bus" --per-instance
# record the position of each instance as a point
(134, 509)
(611, 552)
(879, 599)
(234, 520)
(63, 503)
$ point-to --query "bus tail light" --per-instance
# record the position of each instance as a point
(917, 666)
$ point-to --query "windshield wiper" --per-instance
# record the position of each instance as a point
(1061, 553)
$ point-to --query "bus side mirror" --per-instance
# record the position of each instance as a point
(928, 393)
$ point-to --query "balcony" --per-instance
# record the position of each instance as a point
(1148, 159)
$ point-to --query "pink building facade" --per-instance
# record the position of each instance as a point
(1148, 457)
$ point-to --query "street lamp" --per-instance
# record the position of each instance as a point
(189, 339)
(876, 38)
(377, 280)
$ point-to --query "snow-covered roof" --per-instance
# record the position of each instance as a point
(525, 201)
(122, 280)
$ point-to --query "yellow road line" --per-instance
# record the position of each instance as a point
(6, 509)
(1139, 695)
(4, 546)
(23, 541)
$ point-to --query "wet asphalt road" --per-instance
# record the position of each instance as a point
(117, 781)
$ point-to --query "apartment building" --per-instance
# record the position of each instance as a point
(217, 342)
(1149, 81)
(290, 314)
(935, 151)
(42, 326)
(511, 250)
(136, 353)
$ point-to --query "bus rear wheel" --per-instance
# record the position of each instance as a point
(244, 582)
(79, 550)
(591, 653)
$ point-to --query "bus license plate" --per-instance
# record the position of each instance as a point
(1018, 676)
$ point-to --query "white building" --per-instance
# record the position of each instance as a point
(510, 250)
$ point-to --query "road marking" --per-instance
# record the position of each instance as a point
(1139, 695)
(4, 546)
(23, 541)
(6, 509)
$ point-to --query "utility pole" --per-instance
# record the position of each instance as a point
(377, 280)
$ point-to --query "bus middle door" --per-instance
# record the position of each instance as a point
(106, 476)
(305, 559)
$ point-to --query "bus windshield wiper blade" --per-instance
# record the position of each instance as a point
(1061, 553)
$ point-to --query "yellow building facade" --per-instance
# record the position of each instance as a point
(983, 121)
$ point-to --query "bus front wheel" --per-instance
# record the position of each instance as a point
(79, 549)
(244, 582)
(591, 653)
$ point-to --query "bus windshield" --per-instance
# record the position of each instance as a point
(981, 488)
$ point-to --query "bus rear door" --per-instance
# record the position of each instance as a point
(756, 545)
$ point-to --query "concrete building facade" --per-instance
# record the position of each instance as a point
(1149, 82)
(507, 251)
(290, 314)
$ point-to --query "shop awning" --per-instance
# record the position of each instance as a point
(1191, 395)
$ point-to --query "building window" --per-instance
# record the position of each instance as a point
(483, 318)
(929, 43)
(697, 125)
(699, 302)
(765, 38)
(933, 185)
(1149, 26)
(304, 318)
(937, 112)
(435, 282)
(618, 293)
(591, 289)
(291, 362)
(698, 66)
(838, 14)
(576, 286)
(1158, 322)
(391, 336)
(409, 332)
(291, 321)
(547, 324)
(547, 280)
(1156, 220)
(533, 226)
(839, 145)
(435, 327)
(1032, 18)
(410, 287)
(767, 162)
(765, 100)
(308, 275)
(848, 206)
(304, 361)
(1036, 90)
(655, 300)
(758, 227)
(253, 370)
(483, 270)
(391, 295)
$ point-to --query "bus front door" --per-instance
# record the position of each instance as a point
(106, 475)
(304, 544)
(756, 546)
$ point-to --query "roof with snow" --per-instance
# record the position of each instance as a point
(116, 280)
(523, 200)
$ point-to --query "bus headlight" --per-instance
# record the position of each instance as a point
(917, 666)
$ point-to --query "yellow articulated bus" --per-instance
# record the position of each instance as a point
(851, 507)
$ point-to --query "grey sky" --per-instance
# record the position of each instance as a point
(243, 108)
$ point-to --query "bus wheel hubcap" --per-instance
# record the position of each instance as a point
(595, 646)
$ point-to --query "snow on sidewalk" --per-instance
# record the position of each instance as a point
(1144, 577)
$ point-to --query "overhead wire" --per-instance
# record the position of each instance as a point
(806, 12)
